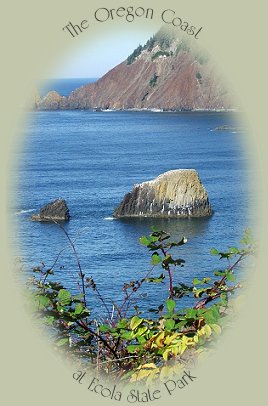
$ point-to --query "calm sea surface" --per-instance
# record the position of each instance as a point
(92, 159)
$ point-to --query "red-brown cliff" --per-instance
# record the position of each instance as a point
(168, 73)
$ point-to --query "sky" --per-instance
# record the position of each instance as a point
(94, 59)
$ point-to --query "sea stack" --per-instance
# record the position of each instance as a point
(54, 211)
(174, 194)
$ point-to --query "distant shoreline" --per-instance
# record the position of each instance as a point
(139, 110)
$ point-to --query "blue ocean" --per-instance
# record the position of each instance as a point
(92, 159)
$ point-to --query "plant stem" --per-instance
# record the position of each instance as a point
(99, 337)
(201, 303)
(171, 291)
(81, 274)
(128, 296)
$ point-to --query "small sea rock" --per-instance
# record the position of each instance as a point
(53, 211)
(225, 127)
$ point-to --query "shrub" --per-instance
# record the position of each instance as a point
(153, 80)
(144, 96)
(199, 77)
(125, 344)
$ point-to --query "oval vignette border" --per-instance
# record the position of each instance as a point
(29, 364)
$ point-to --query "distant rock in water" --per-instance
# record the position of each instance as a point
(52, 101)
(177, 193)
(225, 128)
(54, 211)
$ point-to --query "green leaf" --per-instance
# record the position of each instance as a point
(155, 280)
(104, 328)
(213, 251)
(153, 238)
(234, 250)
(64, 297)
(141, 331)
(141, 339)
(230, 277)
(78, 308)
(127, 335)
(155, 229)
(62, 341)
(191, 313)
(169, 324)
(170, 305)
(212, 315)
(122, 323)
(132, 348)
(60, 308)
(156, 259)
(181, 324)
(145, 241)
(197, 281)
(135, 322)
(219, 273)
(43, 301)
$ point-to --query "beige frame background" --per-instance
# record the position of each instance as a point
(32, 42)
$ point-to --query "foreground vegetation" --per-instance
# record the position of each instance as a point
(126, 345)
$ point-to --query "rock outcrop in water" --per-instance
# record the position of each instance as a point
(54, 211)
(177, 193)
(52, 101)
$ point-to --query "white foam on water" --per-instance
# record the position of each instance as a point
(109, 218)
(17, 213)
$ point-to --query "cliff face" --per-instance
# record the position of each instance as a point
(168, 72)
(177, 193)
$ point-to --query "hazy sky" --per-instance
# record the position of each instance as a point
(94, 59)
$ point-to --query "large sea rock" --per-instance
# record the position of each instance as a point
(54, 211)
(177, 193)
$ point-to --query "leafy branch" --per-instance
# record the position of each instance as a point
(126, 345)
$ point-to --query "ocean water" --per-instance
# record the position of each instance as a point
(92, 159)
